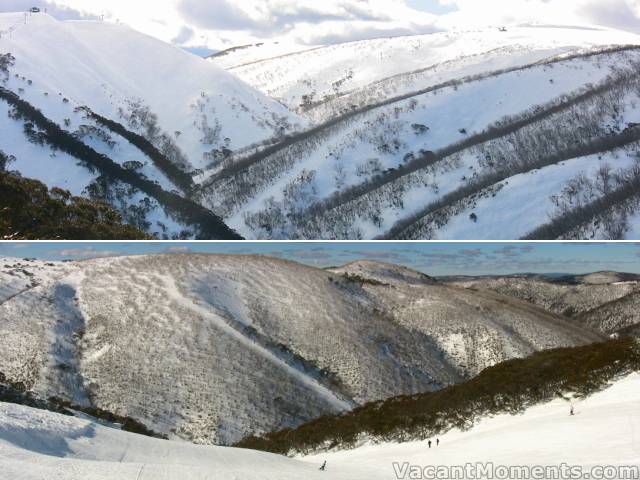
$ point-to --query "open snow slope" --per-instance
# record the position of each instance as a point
(246, 54)
(37, 445)
(395, 65)
(158, 338)
(604, 432)
(113, 70)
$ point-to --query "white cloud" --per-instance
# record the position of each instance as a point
(87, 252)
(223, 23)
(623, 14)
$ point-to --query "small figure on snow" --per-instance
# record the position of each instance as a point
(324, 466)
(429, 443)
(572, 412)
(437, 442)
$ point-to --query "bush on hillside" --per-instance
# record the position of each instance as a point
(18, 394)
(509, 387)
(30, 211)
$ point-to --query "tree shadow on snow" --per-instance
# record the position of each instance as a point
(46, 442)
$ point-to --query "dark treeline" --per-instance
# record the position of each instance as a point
(563, 224)
(404, 229)
(17, 393)
(509, 387)
(209, 225)
(242, 165)
(180, 178)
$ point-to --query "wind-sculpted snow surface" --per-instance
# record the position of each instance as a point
(211, 348)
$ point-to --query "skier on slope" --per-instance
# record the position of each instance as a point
(429, 443)
(437, 442)
(324, 466)
(571, 412)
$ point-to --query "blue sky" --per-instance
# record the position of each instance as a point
(467, 258)
(431, 6)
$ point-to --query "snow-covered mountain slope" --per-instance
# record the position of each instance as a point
(537, 125)
(619, 316)
(321, 80)
(384, 273)
(158, 338)
(19, 275)
(532, 132)
(36, 444)
(185, 111)
(565, 298)
(258, 52)
(604, 301)
(118, 72)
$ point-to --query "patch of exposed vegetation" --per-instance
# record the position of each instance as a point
(174, 172)
(17, 393)
(355, 278)
(30, 211)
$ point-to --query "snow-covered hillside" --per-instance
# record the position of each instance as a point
(253, 53)
(36, 445)
(387, 67)
(481, 134)
(605, 301)
(118, 73)
(189, 111)
(529, 132)
(211, 348)
(602, 433)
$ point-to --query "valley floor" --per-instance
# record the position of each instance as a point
(605, 431)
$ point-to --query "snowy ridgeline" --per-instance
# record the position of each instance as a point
(36, 444)
(56, 68)
(578, 301)
(309, 78)
(433, 136)
(239, 343)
